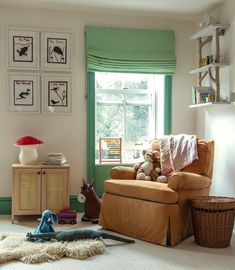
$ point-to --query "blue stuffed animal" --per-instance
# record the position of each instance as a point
(46, 222)
(45, 226)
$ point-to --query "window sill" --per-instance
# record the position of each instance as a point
(114, 164)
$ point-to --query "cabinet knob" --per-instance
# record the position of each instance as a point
(38, 172)
(43, 172)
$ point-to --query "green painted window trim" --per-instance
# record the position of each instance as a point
(101, 172)
(90, 124)
(168, 105)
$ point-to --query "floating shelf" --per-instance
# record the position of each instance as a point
(208, 31)
(205, 68)
(209, 104)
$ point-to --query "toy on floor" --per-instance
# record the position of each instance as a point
(92, 202)
(76, 235)
(47, 220)
(67, 216)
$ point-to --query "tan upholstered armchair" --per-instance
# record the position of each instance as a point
(156, 212)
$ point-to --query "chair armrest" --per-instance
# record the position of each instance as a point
(122, 172)
(188, 181)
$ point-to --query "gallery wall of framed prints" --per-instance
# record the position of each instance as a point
(39, 66)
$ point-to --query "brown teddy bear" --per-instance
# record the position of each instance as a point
(154, 145)
(149, 169)
(144, 168)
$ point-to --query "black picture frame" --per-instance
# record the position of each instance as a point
(58, 93)
(23, 92)
(57, 51)
(22, 49)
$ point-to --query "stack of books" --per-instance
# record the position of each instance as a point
(55, 159)
(202, 95)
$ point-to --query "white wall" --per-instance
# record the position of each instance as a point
(218, 122)
(67, 133)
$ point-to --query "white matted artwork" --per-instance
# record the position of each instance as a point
(23, 48)
(56, 93)
(23, 92)
(56, 50)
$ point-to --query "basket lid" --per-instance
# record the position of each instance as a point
(214, 202)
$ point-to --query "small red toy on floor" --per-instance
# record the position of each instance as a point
(67, 216)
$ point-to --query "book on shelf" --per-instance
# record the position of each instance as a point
(55, 159)
(201, 94)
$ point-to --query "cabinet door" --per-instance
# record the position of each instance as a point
(26, 195)
(54, 189)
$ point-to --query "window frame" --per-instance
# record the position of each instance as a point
(151, 104)
(93, 170)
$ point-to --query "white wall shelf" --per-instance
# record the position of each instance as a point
(208, 31)
(208, 104)
(206, 68)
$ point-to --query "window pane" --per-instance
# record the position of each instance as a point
(139, 98)
(109, 121)
(106, 80)
(136, 82)
(137, 123)
(109, 97)
(126, 107)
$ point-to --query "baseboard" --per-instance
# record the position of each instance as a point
(5, 205)
(74, 204)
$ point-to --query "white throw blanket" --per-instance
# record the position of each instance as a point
(177, 152)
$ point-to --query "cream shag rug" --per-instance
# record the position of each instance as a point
(13, 246)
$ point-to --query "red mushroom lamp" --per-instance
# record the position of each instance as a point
(28, 149)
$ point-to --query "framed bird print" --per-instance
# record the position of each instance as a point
(56, 51)
(23, 92)
(56, 93)
(23, 49)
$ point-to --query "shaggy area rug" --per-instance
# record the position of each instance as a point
(13, 246)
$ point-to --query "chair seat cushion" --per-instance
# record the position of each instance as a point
(144, 190)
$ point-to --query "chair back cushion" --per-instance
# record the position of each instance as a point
(204, 164)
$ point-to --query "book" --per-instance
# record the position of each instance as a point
(55, 159)
(201, 94)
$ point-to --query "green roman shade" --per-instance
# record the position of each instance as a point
(130, 50)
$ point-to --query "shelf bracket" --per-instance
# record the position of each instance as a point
(204, 42)
(203, 76)
(211, 76)
(221, 32)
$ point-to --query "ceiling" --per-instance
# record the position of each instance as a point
(174, 7)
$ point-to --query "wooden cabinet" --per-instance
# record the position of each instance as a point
(210, 35)
(39, 187)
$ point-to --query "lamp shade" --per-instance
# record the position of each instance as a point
(28, 149)
(28, 140)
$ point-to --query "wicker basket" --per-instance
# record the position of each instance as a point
(213, 219)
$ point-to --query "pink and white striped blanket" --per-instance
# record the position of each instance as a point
(177, 152)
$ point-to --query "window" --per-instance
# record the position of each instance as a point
(129, 106)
